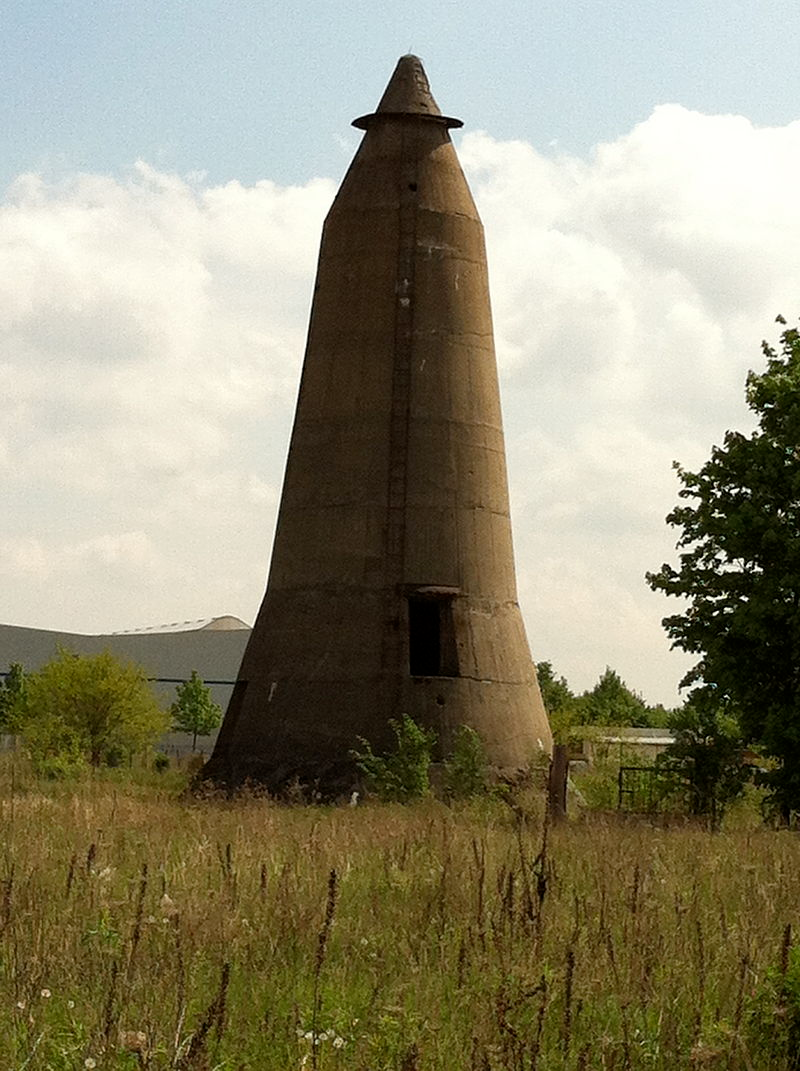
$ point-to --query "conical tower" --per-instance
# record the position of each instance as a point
(392, 586)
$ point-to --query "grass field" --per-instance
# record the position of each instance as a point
(141, 930)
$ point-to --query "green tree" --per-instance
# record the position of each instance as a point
(706, 757)
(740, 570)
(90, 708)
(559, 701)
(12, 697)
(194, 711)
(611, 702)
(556, 693)
(659, 716)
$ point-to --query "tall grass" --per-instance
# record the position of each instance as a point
(139, 929)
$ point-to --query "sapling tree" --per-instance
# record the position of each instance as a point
(194, 711)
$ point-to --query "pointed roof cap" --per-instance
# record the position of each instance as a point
(408, 93)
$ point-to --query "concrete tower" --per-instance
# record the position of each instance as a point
(392, 587)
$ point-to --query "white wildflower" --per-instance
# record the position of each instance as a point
(89, 1063)
(339, 1043)
(46, 994)
(133, 1040)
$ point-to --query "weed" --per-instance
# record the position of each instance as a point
(775, 1009)
(403, 773)
(465, 772)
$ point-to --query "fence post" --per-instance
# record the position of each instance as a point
(557, 783)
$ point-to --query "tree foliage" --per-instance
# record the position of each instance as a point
(740, 570)
(558, 699)
(611, 702)
(93, 709)
(556, 693)
(194, 711)
(706, 757)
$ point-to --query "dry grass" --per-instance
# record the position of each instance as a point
(138, 930)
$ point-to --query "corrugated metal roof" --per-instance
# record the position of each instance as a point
(656, 741)
(226, 622)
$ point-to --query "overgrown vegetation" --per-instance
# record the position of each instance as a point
(465, 772)
(706, 758)
(139, 929)
(403, 773)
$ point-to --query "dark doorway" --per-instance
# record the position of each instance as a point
(432, 650)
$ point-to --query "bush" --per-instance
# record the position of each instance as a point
(465, 772)
(774, 1020)
(62, 766)
(93, 708)
(402, 774)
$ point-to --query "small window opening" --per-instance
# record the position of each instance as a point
(432, 650)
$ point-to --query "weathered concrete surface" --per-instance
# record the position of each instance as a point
(392, 586)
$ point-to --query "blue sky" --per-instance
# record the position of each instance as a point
(165, 169)
(251, 90)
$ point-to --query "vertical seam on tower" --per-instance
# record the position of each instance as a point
(400, 405)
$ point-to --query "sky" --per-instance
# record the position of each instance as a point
(165, 168)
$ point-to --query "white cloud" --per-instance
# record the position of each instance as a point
(631, 292)
(152, 328)
(151, 333)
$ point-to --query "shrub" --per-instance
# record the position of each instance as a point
(95, 707)
(465, 772)
(774, 1019)
(403, 773)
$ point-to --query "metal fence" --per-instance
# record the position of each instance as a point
(649, 790)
